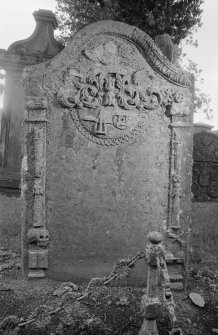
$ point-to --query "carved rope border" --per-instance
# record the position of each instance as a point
(142, 41)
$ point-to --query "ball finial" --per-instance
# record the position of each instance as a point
(155, 237)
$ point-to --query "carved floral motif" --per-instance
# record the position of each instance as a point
(108, 104)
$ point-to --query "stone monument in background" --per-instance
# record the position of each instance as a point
(107, 155)
(204, 235)
(39, 47)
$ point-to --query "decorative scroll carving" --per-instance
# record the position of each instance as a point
(205, 167)
(107, 89)
(108, 104)
(171, 99)
(38, 235)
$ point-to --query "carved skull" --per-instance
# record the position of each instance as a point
(38, 235)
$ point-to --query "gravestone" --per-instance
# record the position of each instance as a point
(205, 167)
(204, 235)
(107, 155)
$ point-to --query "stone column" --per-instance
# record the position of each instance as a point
(177, 140)
(177, 233)
(33, 188)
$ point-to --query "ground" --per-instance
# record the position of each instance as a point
(48, 307)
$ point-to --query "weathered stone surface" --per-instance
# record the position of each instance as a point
(204, 235)
(41, 46)
(118, 150)
(205, 167)
(164, 42)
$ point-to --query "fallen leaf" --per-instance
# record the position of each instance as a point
(197, 299)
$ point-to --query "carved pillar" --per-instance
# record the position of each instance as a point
(33, 182)
(177, 140)
(41, 46)
(176, 235)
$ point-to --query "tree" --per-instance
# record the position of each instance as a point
(178, 18)
(201, 100)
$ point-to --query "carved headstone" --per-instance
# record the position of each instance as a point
(118, 151)
(205, 167)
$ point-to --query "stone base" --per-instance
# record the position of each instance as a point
(39, 273)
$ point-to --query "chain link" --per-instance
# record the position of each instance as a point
(163, 281)
(114, 275)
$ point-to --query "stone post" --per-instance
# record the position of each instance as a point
(150, 300)
(177, 233)
(33, 187)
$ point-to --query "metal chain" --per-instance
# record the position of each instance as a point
(114, 275)
(130, 263)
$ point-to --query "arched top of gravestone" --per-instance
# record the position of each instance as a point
(111, 75)
(114, 29)
(205, 147)
(143, 42)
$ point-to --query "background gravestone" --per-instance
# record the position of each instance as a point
(205, 196)
(107, 156)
